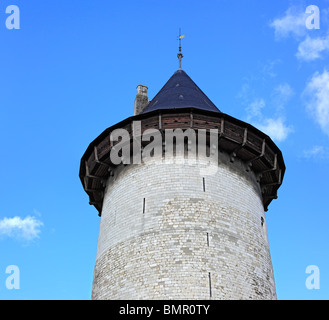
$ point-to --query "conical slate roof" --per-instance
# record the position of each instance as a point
(180, 91)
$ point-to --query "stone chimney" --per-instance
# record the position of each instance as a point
(141, 100)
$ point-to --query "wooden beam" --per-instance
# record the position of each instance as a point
(275, 165)
(245, 135)
(261, 154)
(221, 127)
(90, 175)
(279, 182)
(96, 158)
(94, 190)
(160, 121)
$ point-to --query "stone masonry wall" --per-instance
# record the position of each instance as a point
(169, 231)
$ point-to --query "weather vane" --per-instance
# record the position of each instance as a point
(180, 55)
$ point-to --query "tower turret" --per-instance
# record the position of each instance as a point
(182, 201)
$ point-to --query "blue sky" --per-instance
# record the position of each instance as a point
(71, 71)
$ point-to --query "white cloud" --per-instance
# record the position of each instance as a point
(273, 125)
(267, 112)
(255, 107)
(311, 49)
(281, 95)
(291, 24)
(18, 228)
(268, 69)
(317, 103)
(274, 128)
(316, 152)
(284, 90)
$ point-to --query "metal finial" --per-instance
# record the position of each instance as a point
(180, 55)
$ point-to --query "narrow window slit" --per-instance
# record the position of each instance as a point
(143, 205)
(207, 239)
(209, 275)
(204, 184)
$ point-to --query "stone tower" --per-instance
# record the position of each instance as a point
(182, 188)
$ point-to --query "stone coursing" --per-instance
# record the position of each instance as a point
(182, 242)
